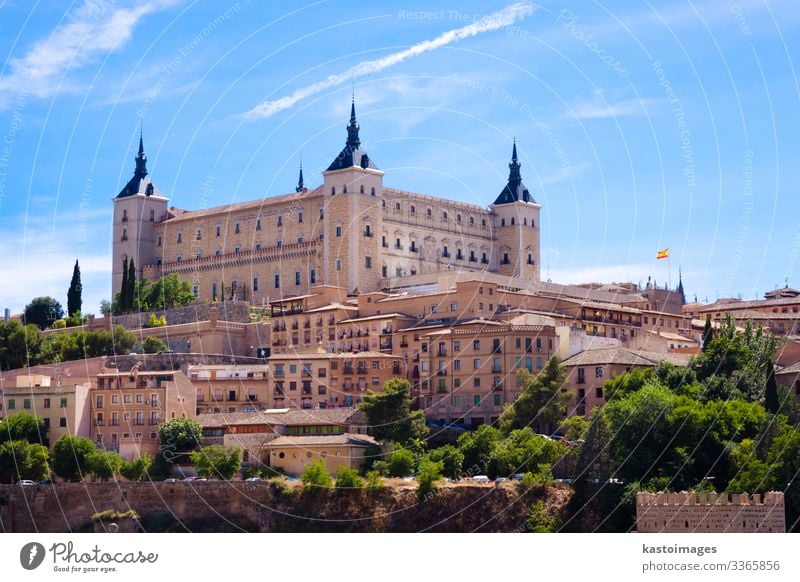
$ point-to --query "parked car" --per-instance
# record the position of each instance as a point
(500, 480)
(171, 480)
(26, 482)
(254, 479)
(481, 479)
(517, 477)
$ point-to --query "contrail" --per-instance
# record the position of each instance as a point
(505, 17)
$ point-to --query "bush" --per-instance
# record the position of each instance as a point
(68, 457)
(429, 473)
(217, 461)
(157, 320)
(347, 478)
(20, 459)
(316, 477)
(540, 479)
(153, 345)
(136, 469)
(114, 515)
(104, 465)
(374, 480)
(400, 462)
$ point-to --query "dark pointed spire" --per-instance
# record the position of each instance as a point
(300, 186)
(353, 140)
(680, 286)
(515, 190)
(352, 155)
(141, 159)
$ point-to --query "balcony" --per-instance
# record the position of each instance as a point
(497, 370)
(386, 331)
(403, 344)
(484, 261)
(361, 371)
(497, 386)
(386, 345)
(441, 373)
(414, 249)
(445, 255)
(398, 247)
(278, 392)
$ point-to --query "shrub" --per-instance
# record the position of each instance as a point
(429, 473)
(153, 345)
(316, 477)
(374, 480)
(347, 478)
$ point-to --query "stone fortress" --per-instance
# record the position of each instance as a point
(350, 232)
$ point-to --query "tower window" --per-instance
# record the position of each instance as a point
(198, 235)
(297, 277)
(413, 209)
(384, 271)
(277, 281)
(152, 215)
(312, 276)
(502, 222)
(300, 217)
(368, 262)
(236, 229)
(159, 240)
(180, 237)
(472, 221)
(338, 264)
(255, 283)
(397, 207)
(444, 216)
(512, 221)
(125, 234)
(429, 212)
(218, 230)
(338, 231)
(280, 220)
(333, 190)
(530, 259)
(258, 224)
(373, 191)
(458, 218)
(361, 190)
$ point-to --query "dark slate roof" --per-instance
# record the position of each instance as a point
(140, 183)
(352, 155)
(514, 190)
(356, 440)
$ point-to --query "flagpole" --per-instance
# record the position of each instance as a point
(669, 273)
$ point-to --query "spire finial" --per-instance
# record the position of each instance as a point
(353, 141)
(514, 151)
(300, 186)
(141, 159)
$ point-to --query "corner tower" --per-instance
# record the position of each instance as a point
(516, 226)
(352, 189)
(137, 209)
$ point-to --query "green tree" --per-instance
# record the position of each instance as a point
(74, 299)
(122, 299)
(541, 403)
(451, 458)
(104, 465)
(180, 435)
(153, 345)
(575, 427)
(136, 469)
(524, 451)
(23, 426)
(21, 345)
(399, 463)
(217, 461)
(374, 480)
(20, 459)
(596, 461)
(430, 472)
(708, 332)
(539, 519)
(42, 312)
(347, 478)
(131, 292)
(68, 457)
(478, 447)
(771, 402)
(316, 477)
(122, 339)
(751, 473)
(389, 413)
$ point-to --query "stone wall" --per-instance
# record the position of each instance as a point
(236, 311)
(710, 512)
(221, 506)
(177, 361)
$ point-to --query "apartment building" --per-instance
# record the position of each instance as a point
(63, 407)
(129, 407)
(230, 388)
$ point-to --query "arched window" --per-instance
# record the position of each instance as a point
(430, 212)
(472, 221)
(362, 188)
(373, 191)
(333, 190)
(458, 218)
(397, 207)
(502, 222)
(512, 221)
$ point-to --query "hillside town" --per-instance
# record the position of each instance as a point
(277, 324)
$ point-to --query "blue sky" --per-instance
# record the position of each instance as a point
(639, 126)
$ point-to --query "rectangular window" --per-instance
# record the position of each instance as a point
(297, 277)
(338, 231)
(277, 281)
(476, 363)
(63, 403)
(62, 422)
(476, 345)
(338, 264)
(313, 276)
(255, 283)
(581, 376)
(99, 401)
(498, 399)
(127, 399)
(26, 403)
(12, 404)
(47, 403)
(476, 399)
(368, 262)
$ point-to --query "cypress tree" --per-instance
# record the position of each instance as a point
(708, 332)
(771, 392)
(74, 299)
(131, 284)
(123, 290)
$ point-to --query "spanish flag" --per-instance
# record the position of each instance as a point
(662, 254)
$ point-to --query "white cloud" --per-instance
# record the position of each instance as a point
(93, 29)
(601, 108)
(505, 17)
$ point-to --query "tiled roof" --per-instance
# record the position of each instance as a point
(625, 357)
(357, 440)
(284, 417)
